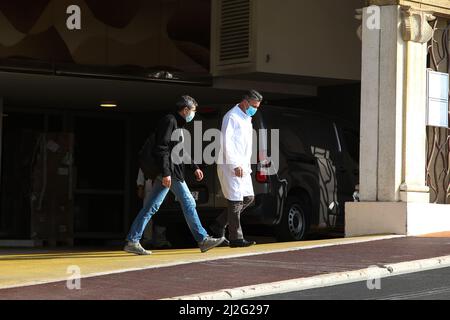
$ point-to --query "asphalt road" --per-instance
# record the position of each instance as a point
(427, 285)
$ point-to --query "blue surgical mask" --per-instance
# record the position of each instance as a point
(251, 111)
(190, 117)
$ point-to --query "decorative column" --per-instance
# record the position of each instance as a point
(416, 32)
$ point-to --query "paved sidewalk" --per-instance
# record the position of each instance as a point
(251, 269)
(29, 267)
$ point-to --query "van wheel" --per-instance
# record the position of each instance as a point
(294, 223)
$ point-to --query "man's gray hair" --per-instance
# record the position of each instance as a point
(253, 95)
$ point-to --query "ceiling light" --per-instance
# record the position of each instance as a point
(108, 105)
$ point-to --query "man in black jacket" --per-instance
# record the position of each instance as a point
(171, 178)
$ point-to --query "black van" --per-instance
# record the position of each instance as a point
(318, 173)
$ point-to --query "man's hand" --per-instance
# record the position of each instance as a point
(140, 192)
(167, 182)
(199, 175)
(239, 172)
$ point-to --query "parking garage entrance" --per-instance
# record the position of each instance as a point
(69, 175)
(65, 176)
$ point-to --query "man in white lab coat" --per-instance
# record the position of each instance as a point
(234, 167)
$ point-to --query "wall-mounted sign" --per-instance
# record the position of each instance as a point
(437, 99)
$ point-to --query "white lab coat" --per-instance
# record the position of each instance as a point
(236, 151)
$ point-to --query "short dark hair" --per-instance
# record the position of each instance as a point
(186, 102)
(253, 95)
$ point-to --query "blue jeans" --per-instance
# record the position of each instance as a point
(156, 198)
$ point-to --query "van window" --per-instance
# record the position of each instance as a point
(318, 133)
(290, 140)
(291, 135)
(300, 132)
(351, 139)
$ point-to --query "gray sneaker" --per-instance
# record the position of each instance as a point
(210, 243)
(136, 248)
(219, 232)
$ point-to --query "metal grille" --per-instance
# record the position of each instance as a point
(438, 155)
(235, 25)
(438, 168)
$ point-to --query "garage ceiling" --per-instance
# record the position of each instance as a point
(67, 92)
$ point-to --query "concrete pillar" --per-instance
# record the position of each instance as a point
(390, 107)
(383, 55)
(370, 82)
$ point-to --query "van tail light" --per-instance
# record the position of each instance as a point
(261, 177)
(262, 171)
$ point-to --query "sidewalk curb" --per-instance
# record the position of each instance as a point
(369, 274)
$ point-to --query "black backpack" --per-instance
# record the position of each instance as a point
(147, 161)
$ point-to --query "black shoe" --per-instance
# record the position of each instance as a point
(241, 243)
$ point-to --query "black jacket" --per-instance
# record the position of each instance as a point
(164, 147)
